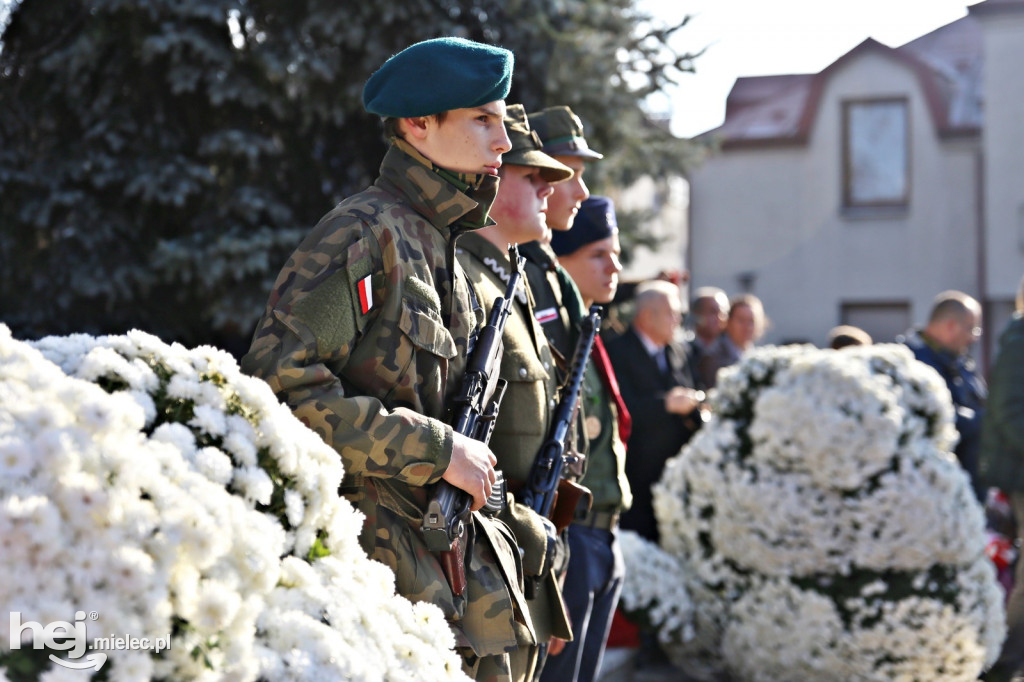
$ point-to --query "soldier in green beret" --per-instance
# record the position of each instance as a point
(524, 420)
(367, 328)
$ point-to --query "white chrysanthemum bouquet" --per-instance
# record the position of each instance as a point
(826, 530)
(653, 595)
(153, 493)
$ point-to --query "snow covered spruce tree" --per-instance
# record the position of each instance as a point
(160, 160)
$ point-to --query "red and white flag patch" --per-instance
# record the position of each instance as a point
(365, 294)
(546, 315)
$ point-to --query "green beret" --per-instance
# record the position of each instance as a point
(526, 147)
(439, 75)
(594, 222)
(561, 131)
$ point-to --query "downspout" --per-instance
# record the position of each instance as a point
(688, 256)
(982, 259)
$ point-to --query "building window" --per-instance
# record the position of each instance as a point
(876, 160)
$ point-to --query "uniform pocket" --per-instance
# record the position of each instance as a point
(525, 407)
(424, 327)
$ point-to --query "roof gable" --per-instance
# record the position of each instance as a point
(780, 110)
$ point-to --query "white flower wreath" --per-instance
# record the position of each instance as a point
(169, 495)
(825, 530)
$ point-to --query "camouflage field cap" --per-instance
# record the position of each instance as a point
(561, 132)
(526, 147)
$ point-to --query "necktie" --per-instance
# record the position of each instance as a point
(604, 368)
(662, 360)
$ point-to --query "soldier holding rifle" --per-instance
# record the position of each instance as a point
(369, 324)
(524, 419)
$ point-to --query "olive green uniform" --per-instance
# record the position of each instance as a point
(606, 455)
(523, 423)
(558, 305)
(365, 337)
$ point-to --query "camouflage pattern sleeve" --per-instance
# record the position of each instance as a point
(337, 340)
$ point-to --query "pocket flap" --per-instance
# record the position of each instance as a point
(425, 329)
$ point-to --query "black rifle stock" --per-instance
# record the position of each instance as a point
(477, 409)
(542, 488)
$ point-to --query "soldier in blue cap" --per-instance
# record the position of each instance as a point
(366, 333)
(589, 254)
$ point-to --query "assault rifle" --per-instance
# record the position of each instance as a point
(444, 522)
(546, 491)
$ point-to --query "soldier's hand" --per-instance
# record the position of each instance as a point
(682, 400)
(471, 468)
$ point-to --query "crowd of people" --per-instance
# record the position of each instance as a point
(369, 326)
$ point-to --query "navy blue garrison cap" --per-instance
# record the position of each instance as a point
(439, 75)
(594, 222)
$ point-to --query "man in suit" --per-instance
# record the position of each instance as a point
(658, 387)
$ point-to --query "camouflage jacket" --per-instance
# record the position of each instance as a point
(365, 337)
(524, 419)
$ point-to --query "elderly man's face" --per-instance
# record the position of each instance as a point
(661, 319)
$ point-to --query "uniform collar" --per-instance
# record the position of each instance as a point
(935, 346)
(494, 259)
(447, 200)
(540, 253)
(649, 345)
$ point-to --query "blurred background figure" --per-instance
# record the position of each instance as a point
(709, 313)
(847, 335)
(944, 343)
(744, 327)
(658, 387)
(1001, 464)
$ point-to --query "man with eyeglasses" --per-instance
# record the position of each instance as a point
(944, 343)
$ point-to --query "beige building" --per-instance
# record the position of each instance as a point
(856, 194)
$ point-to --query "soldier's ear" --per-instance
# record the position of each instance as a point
(416, 126)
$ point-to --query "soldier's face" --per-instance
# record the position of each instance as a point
(595, 268)
(467, 141)
(565, 202)
(521, 204)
